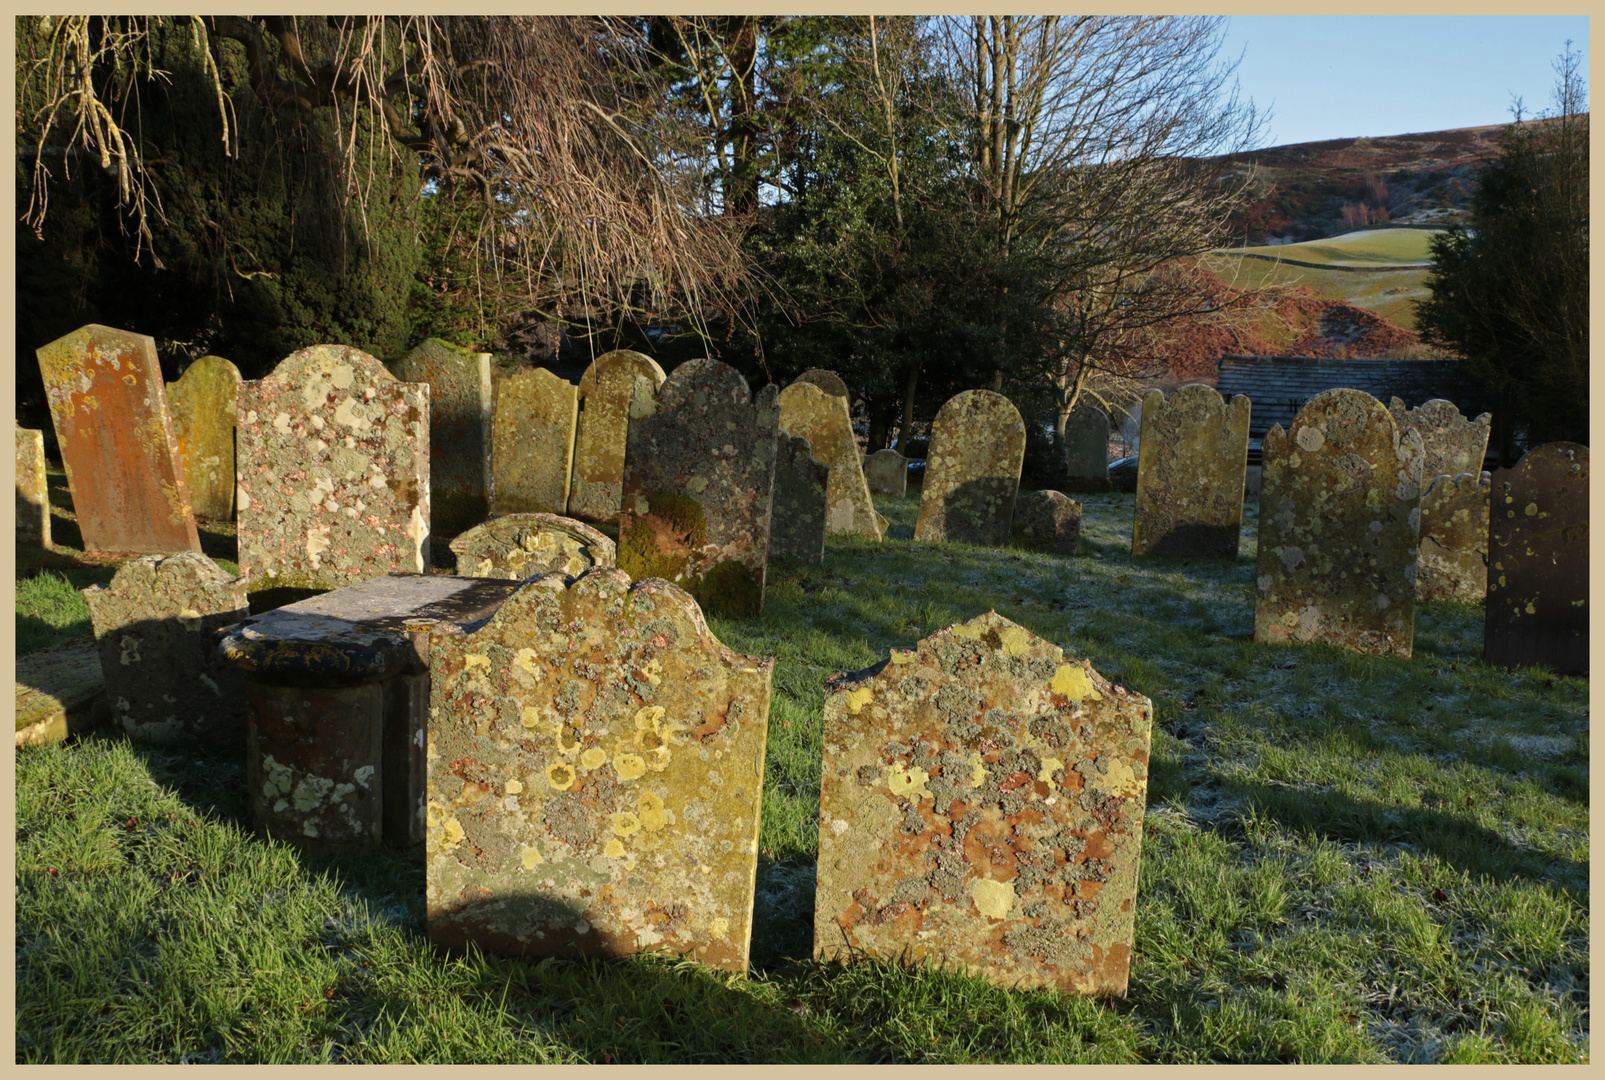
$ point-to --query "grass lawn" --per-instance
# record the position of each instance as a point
(1346, 858)
(1365, 248)
(1391, 294)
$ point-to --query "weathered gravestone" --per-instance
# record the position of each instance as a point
(1048, 521)
(1191, 465)
(520, 546)
(59, 692)
(797, 510)
(1536, 613)
(156, 627)
(1338, 520)
(981, 804)
(33, 489)
(828, 381)
(605, 392)
(1086, 439)
(1452, 443)
(203, 403)
(459, 431)
(532, 442)
(886, 472)
(699, 473)
(334, 472)
(972, 470)
(822, 419)
(109, 407)
(596, 767)
(1452, 564)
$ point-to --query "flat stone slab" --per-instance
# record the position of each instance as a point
(595, 770)
(599, 442)
(109, 407)
(822, 419)
(533, 417)
(981, 805)
(886, 472)
(459, 430)
(57, 692)
(797, 513)
(1339, 527)
(519, 546)
(203, 403)
(1452, 443)
(1452, 564)
(1048, 521)
(33, 489)
(972, 471)
(1191, 473)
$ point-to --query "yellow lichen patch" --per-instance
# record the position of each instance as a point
(908, 783)
(529, 716)
(625, 823)
(1050, 765)
(453, 832)
(614, 849)
(557, 734)
(560, 774)
(514, 787)
(902, 656)
(530, 858)
(649, 811)
(1073, 682)
(649, 718)
(629, 766)
(971, 629)
(1015, 641)
(977, 769)
(593, 758)
(526, 659)
(1118, 778)
(719, 928)
(475, 660)
(653, 671)
(994, 899)
(857, 699)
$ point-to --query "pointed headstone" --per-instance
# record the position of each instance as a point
(886, 472)
(797, 515)
(520, 546)
(33, 489)
(972, 470)
(203, 402)
(532, 442)
(1191, 466)
(604, 420)
(459, 431)
(1453, 562)
(822, 419)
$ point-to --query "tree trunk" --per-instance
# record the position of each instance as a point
(906, 430)
(1068, 393)
(881, 411)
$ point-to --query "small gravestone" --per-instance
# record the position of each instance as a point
(59, 692)
(822, 419)
(699, 472)
(596, 762)
(33, 489)
(1453, 564)
(828, 381)
(156, 626)
(520, 546)
(797, 511)
(532, 442)
(605, 392)
(886, 472)
(972, 470)
(334, 472)
(109, 407)
(459, 430)
(1086, 439)
(1338, 528)
(1452, 443)
(203, 403)
(1191, 464)
(1536, 614)
(981, 805)
(1048, 521)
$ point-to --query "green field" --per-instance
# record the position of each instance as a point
(1391, 294)
(1365, 249)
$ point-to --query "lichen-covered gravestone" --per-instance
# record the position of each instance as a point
(532, 442)
(1536, 613)
(520, 546)
(1338, 528)
(1086, 439)
(1048, 521)
(822, 419)
(203, 402)
(109, 407)
(33, 490)
(605, 393)
(1452, 564)
(972, 470)
(156, 626)
(459, 431)
(334, 472)
(595, 768)
(828, 381)
(797, 510)
(1191, 465)
(981, 804)
(1452, 444)
(699, 473)
(886, 472)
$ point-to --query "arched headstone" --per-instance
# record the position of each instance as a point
(532, 442)
(1191, 469)
(972, 471)
(600, 433)
(828, 381)
(203, 402)
(459, 430)
(520, 546)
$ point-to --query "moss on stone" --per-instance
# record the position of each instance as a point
(640, 553)
(729, 588)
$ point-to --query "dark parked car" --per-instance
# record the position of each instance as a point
(1123, 474)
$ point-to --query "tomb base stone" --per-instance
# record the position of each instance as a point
(59, 692)
(886, 472)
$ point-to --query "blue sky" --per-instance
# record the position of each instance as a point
(1330, 77)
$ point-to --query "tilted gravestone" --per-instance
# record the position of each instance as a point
(334, 472)
(156, 627)
(797, 510)
(33, 489)
(1048, 521)
(520, 546)
(1191, 464)
(886, 472)
(699, 473)
(605, 393)
(822, 419)
(532, 442)
(1338, 528)
(459, 431)
(972, 470)
(1452, 564)
(1452, 443)
(828, 381)
(981, 805)
(109, 407)
(1086, 439)
(203, 403)
(595, 767)
(1536, 613)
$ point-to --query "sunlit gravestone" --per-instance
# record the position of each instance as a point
(1453, 562)
(1451, 443)
(520, 546)
(822, 419)
(595, 768)
(605, 393)
(1192, 462)
(532, 442)
(33, 489)
(203, 404)
(459, 430)
(972, 470)
(981, 805)
(797, 510)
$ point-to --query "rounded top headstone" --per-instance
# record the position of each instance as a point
(621, 359)
(828, 381)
